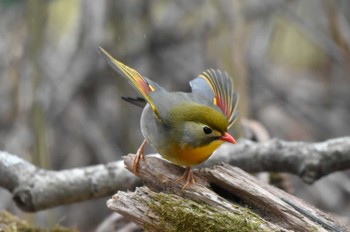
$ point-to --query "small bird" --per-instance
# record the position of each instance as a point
(185, 128)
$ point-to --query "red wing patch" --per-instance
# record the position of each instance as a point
(224, 96)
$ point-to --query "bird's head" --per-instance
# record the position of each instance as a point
(196, 125)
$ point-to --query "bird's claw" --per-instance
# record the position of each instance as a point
(188, 175)
(139, 155)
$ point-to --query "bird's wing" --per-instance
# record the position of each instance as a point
(217, 86)
(137, 101)
(143, 85)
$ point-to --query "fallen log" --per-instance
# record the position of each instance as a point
(224, 198)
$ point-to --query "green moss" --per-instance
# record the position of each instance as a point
(10, 223)
(314, 229)
(174, 213)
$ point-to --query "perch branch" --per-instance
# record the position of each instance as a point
(35, 189)
(220, 193)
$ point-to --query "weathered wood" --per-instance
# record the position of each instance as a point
(224, 198)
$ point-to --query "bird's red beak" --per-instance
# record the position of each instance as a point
(228, 138)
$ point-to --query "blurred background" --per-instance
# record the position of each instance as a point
(61, 107)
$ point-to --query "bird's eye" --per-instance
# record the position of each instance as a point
(207, 130)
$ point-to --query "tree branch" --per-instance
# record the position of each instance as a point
(310, 161)
(225, 197)
(35, 189)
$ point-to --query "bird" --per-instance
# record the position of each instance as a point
(183, 127)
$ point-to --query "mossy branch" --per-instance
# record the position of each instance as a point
(170, 212)
(223, 196)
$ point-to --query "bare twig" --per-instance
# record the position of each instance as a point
(35, 189)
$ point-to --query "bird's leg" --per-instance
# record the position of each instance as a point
(139, 155)
(188, 174)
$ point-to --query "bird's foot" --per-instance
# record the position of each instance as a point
(139, 155)
(188, 175)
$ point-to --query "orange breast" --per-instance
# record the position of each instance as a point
(192, 156)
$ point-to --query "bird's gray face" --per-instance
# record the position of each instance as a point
(195, 134)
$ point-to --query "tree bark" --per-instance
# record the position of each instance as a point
(36, 189)
(224, 198)
(309, 161)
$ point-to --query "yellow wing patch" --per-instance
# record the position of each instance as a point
(136, 79)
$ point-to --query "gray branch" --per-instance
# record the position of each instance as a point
(35, 189)
(309, 161)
